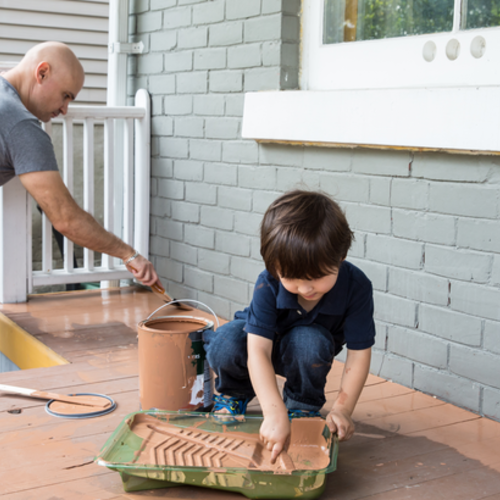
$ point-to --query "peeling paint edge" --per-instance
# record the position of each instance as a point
(23, 349)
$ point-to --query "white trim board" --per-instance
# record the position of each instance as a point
(462, 120)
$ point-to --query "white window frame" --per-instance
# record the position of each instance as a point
(394, 98)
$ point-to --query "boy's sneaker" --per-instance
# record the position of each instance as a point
(303, 414)
(229, 405)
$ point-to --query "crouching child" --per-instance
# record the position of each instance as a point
(307, 304)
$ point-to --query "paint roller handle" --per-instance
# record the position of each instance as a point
(181, 301)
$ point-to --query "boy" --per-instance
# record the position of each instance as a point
(306, 304)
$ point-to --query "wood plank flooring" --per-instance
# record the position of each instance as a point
(407, 446)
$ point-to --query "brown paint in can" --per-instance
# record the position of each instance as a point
(173, 372)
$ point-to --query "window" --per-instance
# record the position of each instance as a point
(400, 43)
(404, 74)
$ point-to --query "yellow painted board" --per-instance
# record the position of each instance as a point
(23, 349)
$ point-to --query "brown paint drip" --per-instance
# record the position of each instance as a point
(166, 372)
(166, 444)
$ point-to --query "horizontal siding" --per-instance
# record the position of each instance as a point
(25, 23)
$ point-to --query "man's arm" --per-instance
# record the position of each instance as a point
(353, 379)
(49, 191)
(275, 429)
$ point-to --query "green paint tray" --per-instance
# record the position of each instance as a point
(161, 449)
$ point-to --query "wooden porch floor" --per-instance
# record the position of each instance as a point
(407, 445)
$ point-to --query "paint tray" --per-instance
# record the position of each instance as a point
(161, 449)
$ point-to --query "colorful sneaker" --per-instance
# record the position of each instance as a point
(303, 414)
(229, 405)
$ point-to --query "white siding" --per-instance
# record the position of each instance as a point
(82, 24)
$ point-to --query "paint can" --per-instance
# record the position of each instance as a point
(173, 372)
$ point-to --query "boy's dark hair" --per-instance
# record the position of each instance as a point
(304, 235)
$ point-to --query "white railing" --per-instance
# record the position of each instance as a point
(126, 201)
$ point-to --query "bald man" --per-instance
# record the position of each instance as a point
(41, 87)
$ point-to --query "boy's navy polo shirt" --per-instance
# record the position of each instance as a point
(346, 310)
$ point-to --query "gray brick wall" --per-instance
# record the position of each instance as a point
(427, 225)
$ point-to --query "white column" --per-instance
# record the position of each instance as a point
(14, 242)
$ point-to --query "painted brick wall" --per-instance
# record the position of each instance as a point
(427, 225)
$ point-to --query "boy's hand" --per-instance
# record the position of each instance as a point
(275, 433)
(340, 422)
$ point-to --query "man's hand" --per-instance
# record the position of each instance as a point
(340, 422)
(275, 433)
(143, 270)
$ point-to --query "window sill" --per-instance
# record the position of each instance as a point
(464, 120)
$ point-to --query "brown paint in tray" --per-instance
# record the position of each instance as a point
(163, 449)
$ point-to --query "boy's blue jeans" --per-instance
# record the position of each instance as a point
(303, 355)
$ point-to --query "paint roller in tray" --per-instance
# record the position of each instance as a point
(70, 406)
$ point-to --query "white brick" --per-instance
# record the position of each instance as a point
(346, 187)
(163, 40)
(185, 212)
(227, 33)
(159, 246)
(332, 160)
(492, 336)
(423, 226)
(189, 126)
(226, 81)
(236, 9)
(232, 243)
(244, 56)
(394, 251)
(263, 199)
(194, 82)
(381, 163)
(257, 177)
(391, 367)
(495, 271)
(217, 218)
(219, 305)
(161, 167)
(491, 403)
(222, 128)
(418, 286)
(449, 324)
(409, 193)
(199, 280)
(210, 105)
(205, 150)
(162, 84)
(210, 58)
(188, 170)
(247, 223)
(296, 178)
(272, 53)
(177, 18)
(191, 38)
(169, 269)
(358, 245)
(380, 190)
(150, 64)
(394, 310)
(215, 262)
(459, 264)
(220, 173)
(234, 198)
(178, 61)
(183, 253)
(447, 386)
(369, 218)
(475, 364)
(477, 300)
(234, 105)
(173, 190)
(464, 199)
(169, 229)
(246, 269)
(149, 21)
(160, 207)
(278, 154)
(174, 148)
(230, 288)
(377, 273)
(199, 192)
(208, 12)
(240, 152)
(445, 167)
(258, 79)
(381, 336)
(417, 346)
(178, 104)
(479, 234)
(263, 29)
(199, 236)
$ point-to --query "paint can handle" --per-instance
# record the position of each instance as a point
(180, 301)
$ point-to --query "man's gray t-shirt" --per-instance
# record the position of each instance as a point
(24, 146)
